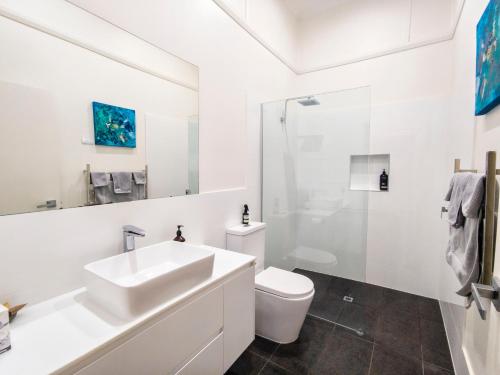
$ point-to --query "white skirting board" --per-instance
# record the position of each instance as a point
(454, 320)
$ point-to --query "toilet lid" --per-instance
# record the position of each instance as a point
(283, 283)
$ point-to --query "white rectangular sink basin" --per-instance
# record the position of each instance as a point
(129, 284)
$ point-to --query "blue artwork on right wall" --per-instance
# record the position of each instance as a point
(488, 59)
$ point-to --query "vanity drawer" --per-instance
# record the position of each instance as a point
(164, 347)
(208, 361)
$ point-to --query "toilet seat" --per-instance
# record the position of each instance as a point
(283, 283)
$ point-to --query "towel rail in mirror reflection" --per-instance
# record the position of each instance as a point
(89, 190)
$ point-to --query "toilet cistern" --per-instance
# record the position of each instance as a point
(129, 234)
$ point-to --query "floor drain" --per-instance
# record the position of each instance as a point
(348, 299)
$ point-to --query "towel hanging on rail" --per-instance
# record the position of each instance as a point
(99, 179)
(101, 182)
(466, 197)
(139, 186)
(122, 182)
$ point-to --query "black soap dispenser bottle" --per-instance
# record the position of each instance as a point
(179, 237)
(384, 181)
(246, 216)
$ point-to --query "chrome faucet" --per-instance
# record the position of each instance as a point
(129, 234)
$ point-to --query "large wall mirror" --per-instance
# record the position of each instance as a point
(91, 114)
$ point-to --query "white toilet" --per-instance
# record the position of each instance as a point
(282, 298)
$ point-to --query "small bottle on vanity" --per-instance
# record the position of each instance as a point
(384, 181)
(178, 236)
(4, 329)
(246, 216)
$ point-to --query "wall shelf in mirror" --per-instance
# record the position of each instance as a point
(365, 171)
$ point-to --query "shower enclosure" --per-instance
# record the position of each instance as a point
(314, 164)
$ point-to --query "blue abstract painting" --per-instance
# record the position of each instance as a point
(488, 59)
(113, 126)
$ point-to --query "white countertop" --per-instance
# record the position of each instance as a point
(58, 333)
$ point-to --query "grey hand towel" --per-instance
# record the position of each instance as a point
(139, 188)
(455, 197)
(103, 194)
(102, 191)
(122, 182)
(99, 179)
(473, 195)
(466, 196)
(139, 177)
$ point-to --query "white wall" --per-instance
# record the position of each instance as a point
(431, 19)
(355, 29)
(43, 253)
(275, 24)
(345, 32)
(351, 30)
(271, 20)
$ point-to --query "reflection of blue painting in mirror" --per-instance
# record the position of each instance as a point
(488, 59)
(113, 126)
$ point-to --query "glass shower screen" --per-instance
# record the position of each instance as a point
(315, 208)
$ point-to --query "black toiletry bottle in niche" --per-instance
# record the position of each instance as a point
(179, 237)
(246, 216)
(384, 181)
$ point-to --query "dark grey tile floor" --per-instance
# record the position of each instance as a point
(382, 332)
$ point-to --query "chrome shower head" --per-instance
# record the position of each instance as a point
(306, 101)
(310, 100)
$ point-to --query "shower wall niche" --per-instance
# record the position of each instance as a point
(366, 170)
(315, 221)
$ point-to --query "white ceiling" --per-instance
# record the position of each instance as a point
(308, 8)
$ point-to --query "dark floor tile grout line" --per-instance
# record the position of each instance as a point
(257, 354)
(423, 362)
(276, 365)
(268, 360)
(264, 366)
(371, 360)
(422, 357)
(441, 367)
(274, 351)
